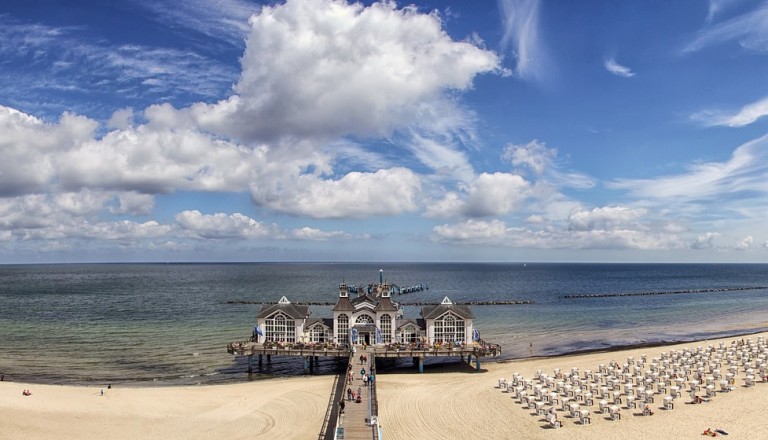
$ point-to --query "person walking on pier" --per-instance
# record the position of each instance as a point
(349, 393)
(341, 406)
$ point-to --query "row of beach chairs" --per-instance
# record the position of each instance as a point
(702, 372)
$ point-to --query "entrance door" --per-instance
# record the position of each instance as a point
(367, 339)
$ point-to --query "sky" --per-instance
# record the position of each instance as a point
(438, 131)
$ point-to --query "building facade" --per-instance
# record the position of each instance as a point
(365, 316)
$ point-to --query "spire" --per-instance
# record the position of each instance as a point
(446, 301)
(283, 300)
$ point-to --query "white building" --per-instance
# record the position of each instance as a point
(370, 315)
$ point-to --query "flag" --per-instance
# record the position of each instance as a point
(353, 335)
(378, 336)
(257, 330)
(475, 335)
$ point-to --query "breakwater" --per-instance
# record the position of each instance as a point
(328, 303)
(670, 292)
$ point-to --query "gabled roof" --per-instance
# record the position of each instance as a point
(343, 305)
(417, 322)
(435, 311)
(386, 305)
(363, 299)
(294, 311)
(326, 322)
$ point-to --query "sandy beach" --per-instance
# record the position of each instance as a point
(446, 402)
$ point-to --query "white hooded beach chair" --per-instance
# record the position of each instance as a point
(584, 417)
(615, 413)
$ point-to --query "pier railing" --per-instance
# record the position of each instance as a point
(251, 348)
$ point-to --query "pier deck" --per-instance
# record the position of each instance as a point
(355, 423)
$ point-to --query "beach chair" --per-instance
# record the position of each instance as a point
(574, 409)
(588, 399)
(584, 417)
(645, 409)
(631, 402)
(749, 381)
(603, 406)
(553, 422)
(669, 403)
(503, 383)
(674, 391)
(710, 389)
(615, 412)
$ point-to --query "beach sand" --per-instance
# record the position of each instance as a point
(270, 409)
(446, 402)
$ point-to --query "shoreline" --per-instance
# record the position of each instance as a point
(446, 401)
(430, 363)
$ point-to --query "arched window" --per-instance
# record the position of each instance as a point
(449, 329)
(386, 329)
(317, 333)
(280, 328)
(342, 329)
(409, 334)
(364, 319)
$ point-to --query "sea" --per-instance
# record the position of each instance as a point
(169, 324)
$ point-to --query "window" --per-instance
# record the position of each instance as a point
(280, 329)
(409, 334)
(386, 329)
(449, 329)
(364, 319)
(342, 329)
(317, 333)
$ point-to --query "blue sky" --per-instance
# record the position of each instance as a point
(319, 130)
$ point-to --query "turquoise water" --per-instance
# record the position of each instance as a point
(169, 323)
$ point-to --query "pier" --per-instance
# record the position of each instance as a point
(417, 352)
(359, 419)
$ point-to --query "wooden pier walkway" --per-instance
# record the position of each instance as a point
(356, 422)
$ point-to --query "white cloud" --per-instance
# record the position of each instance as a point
(617, 69)
(745, 243)
(70, 59)
(604, 218)
(121, 119)
(542, 161)
(221, 225)
(706, 241)
(307, 233)
(487, 195)
(521, 36)
(750, 30)
(535, 155)
(324, 69)
(721, 183)
(356, 195)
(745, 116)
(222, 19)
(497, 233)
